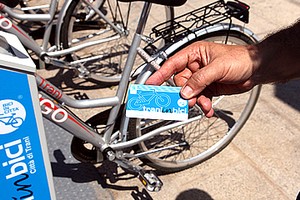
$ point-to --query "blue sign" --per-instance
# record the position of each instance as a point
(22, 168)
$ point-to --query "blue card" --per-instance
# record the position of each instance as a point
(156, 102)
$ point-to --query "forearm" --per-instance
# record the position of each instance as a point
(277, 58)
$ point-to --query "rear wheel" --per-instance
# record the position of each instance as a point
(193, 142)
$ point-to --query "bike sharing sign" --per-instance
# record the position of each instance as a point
(156, 102)
(22, 168)
(25, 171)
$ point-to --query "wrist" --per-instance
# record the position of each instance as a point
(255, 63)
(277, 58)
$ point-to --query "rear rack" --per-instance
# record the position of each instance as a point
(195, 20)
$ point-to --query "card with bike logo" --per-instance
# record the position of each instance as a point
(156, 102)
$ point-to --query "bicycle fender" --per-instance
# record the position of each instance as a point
(211, 29)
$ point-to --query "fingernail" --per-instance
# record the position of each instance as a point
(187, 92)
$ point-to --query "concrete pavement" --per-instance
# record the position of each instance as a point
(262, 162)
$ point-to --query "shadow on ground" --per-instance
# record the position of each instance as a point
(289, 93)
(194, 194)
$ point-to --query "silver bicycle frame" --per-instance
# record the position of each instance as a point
(67, 120)
(60, 115)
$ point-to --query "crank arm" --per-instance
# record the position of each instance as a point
(148, 178)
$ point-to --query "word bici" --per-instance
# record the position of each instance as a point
(16, 153)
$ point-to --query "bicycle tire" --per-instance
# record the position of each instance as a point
(212, 134)
(113, 54)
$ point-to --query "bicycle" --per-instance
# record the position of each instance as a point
(81, 27)
(167, 146)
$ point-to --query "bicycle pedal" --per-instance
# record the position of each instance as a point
(151, 181)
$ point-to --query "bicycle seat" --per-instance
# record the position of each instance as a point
(10, 3)
(161, 2)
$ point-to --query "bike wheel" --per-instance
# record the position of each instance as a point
(105, 61)
(190, 143)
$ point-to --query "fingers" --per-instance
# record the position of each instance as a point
(188, 57)
(170, 67)
(199, 80)
(181, 78)
(204, 103)
(188, 67)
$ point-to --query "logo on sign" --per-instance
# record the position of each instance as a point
(12, 115)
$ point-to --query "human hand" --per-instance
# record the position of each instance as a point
(206, 69)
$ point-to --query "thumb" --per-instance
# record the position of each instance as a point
(200, 80)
